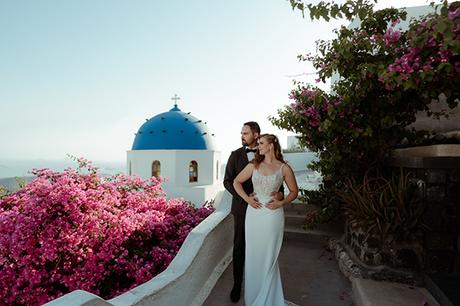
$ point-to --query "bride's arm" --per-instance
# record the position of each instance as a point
(242, 177)
(291, 183)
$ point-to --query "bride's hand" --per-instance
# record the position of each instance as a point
(254, 201)
(274, 204)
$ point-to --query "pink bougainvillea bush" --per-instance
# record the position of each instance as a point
(76, 230)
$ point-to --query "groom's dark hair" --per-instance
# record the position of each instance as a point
(254, 126)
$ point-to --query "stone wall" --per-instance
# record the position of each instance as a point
(372, 252)
(440, 189)
(438, 181)
(366, 248)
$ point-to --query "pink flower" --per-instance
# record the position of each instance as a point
(454, 14)
(390, 37)
(77, 230)
(308, 93)
(431, 42)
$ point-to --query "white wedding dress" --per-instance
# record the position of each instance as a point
(264, 236)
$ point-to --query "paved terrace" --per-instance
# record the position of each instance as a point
(311, 275)
(309, 272)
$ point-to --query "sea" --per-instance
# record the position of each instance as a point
(12, 172)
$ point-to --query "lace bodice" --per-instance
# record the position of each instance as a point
(266, 184)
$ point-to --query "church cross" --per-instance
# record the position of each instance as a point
(175, 98)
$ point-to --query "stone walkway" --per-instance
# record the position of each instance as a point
(309, 272)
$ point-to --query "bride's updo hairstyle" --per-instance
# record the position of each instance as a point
(270, 138)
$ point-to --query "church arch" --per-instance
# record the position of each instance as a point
(193, 171)
(156, 168)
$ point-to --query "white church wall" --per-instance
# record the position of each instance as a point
(212, 191)
(198, 195)
(141, 163)
(206, 169)
(216, 178)
(175, 170)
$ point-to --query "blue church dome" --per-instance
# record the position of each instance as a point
(173, 130)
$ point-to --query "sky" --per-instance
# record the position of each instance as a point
(81, 77)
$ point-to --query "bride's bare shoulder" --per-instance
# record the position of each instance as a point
(286, 167)
(279, 163)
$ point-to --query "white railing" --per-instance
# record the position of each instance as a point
(190, 277)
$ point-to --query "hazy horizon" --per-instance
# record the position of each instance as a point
(22, 168)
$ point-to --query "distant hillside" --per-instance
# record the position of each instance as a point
(22, 168)
(11, 183)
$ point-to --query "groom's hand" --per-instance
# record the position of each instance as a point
(254, 196)
(254, 201)
(274, 204)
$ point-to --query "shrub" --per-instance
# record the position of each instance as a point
(386, 74)
(75, 230)
(386, 208)
(389, 213)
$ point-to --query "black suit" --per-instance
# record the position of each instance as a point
(236, 162)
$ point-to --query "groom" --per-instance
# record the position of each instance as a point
(236, 162)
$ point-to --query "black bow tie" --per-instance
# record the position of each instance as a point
(251, 150)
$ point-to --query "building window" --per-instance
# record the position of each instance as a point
(156, 168)
(217, 170)
(193, 171)
(130, 168)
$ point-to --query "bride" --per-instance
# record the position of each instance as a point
(265, 222)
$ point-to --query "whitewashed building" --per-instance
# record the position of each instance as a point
(180, 148)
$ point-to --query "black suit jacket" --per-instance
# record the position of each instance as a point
(236, 163)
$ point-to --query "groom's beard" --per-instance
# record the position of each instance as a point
(246, 144)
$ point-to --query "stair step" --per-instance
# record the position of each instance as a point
(333, 229)
(299, 234)
(301, 230)
(294, 219)
(297, 207)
